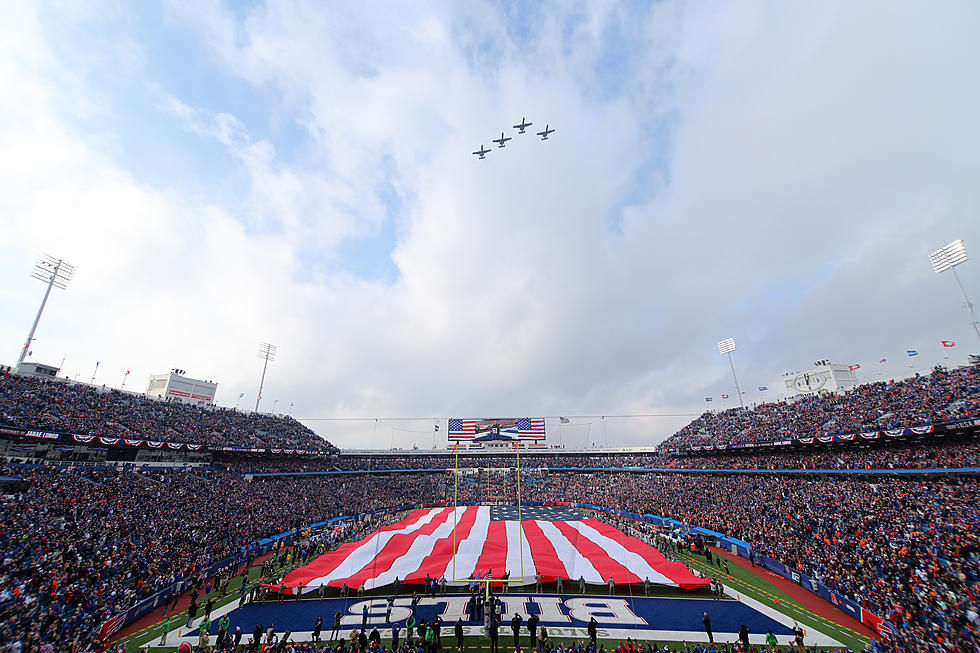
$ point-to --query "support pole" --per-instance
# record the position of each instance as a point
(735, 376)
(37, 318)
(258, 397)
(966, 300)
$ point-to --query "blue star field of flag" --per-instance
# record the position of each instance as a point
(535, 513)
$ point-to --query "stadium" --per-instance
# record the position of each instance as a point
(684, 360)
(859, 539)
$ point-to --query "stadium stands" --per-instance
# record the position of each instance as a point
(950, 453)
(908, 549)
(942, 396)
(64, 407)
(80, 545)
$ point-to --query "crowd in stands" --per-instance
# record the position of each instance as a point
(947, 455)
(909, 550)
(942, 396)
(428, 461)
(911, 454)
(80, 545)
(65, 407)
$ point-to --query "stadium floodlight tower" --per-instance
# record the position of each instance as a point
(947, 258)
(727, 346)
(268, 352)
(56, 272)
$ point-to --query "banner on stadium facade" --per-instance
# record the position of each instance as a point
(961, 426)
(42, 434)
(154, 444)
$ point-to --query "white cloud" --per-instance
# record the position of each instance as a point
(771, 172)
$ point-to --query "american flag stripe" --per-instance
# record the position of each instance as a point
(546, 560)
(352, 551)
(516, 547)
(442, 552)
(420, 546)
(361, 553)
(613, 542)
(600, 560)
(576, 563)
(493, 558)
(422, 543)
(665, 570)
(396, 549)
(468, 551)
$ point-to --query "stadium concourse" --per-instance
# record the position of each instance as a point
(98, 533)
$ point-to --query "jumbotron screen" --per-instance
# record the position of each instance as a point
(518, 428)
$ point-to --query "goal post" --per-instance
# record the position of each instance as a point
(520, 518)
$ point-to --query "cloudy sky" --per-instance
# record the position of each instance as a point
(300, 173)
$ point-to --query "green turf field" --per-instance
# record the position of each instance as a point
(741, 581)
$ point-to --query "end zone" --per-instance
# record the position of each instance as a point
(618, 617)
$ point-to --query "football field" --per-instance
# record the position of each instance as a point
(659, 619)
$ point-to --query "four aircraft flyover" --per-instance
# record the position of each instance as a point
(502, 141)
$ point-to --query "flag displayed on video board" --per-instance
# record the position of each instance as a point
(531, 428)
(504, 428)
(462, 429)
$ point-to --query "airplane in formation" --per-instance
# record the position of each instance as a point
(520, 127)
(502, 140)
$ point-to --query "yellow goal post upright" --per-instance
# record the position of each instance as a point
(520, 520)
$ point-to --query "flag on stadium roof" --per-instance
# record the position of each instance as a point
(762, 388)
(911, 352)
(551, 541)
(883, 360)
(855, 366)
(708, 399)
(724, 396)
(948, 343)
(563, 420)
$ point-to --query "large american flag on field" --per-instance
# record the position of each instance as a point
(530, 428)
(462, 429)
(551, 541)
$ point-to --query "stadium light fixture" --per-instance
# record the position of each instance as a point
(726, 347)
(268, 352)
(947, 258)
(56, 272)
